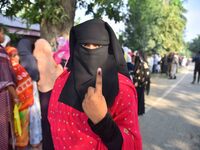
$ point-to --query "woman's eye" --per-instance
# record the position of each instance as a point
(91, 46)
(84, 45)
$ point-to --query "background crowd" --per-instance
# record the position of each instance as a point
(28, 72)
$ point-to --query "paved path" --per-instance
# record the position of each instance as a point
(172, 119)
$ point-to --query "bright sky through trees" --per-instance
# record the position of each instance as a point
(193, 19)
(192, 15)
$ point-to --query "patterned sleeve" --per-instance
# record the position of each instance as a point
(137, 76)
(109, 132)
(124, 113)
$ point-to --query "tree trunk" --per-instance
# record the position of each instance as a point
(50, 31)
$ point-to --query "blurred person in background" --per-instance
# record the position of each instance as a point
(8, 96)
(196, 61)
(49, 70)
(164, 64)
(61, 55)
(128, 57)
(24, 88)
(141, 79)
(169, 64)
(155, 63)
(174, 66)
(27, 60)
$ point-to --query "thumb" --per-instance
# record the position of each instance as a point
(98, 86)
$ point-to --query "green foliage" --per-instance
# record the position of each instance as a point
(155, 25)
(3, 4)
(150, 24)
(57, 16)
(52, 10)
(13, 36)
(35, 11)
(112, 8)
(194, 46)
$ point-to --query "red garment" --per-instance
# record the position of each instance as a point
(70, 129)
(24, 87)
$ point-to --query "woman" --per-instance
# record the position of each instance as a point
(196, 60)
(164, 64)
(169, 63)
(90, 110)
(24, 88)
(141, 80)
(27, 60)
(49, 71)
(174, 66)
(8, 95)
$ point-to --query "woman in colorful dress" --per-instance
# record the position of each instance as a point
(28, 61)
(24, 88)
(141, 79)
(8, 95)
(90, 109)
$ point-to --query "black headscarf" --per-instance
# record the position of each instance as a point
(83, 63)
(27, 60)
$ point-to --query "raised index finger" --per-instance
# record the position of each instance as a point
(98, 86)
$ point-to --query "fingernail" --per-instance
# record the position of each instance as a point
(99, 71)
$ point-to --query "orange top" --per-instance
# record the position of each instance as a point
(24, 86)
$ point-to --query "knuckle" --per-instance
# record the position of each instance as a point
(90, 98)
(90, 89)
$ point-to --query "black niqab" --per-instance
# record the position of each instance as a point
(83, 63)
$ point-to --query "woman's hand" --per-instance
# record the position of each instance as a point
(16, 101)
(94, 103)
(13, 94)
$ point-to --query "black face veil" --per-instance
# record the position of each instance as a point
(83, 62)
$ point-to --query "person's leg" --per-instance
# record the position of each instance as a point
(199, 75)
(173, 71)
(154, 69)
(170, 70)
(140, 92)
(167, 70)
(194, 76)
(142, 101)
(47, 142)
(139, 98)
